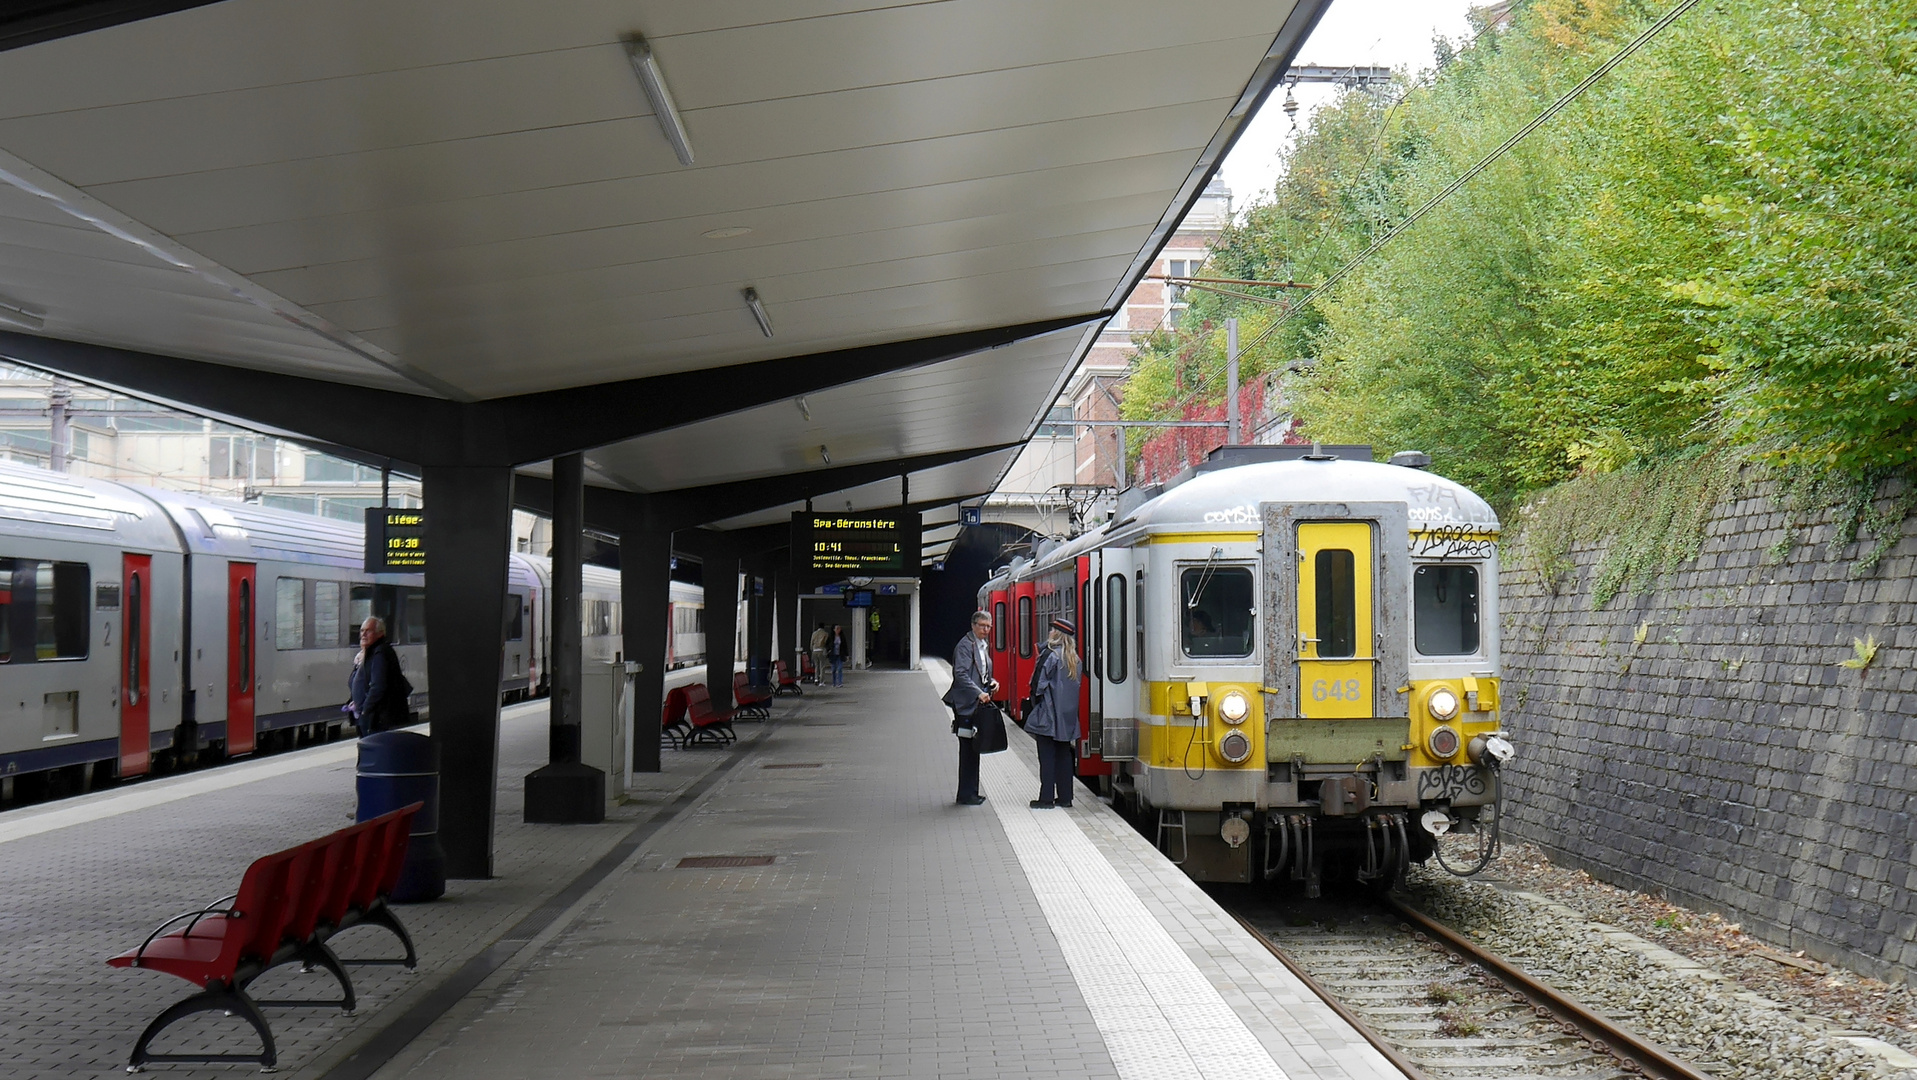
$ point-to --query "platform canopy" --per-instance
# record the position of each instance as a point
(319, 217)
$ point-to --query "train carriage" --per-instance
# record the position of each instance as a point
(1291, 663)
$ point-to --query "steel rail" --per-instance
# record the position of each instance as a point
(1649, 1058)
(1398, 1060)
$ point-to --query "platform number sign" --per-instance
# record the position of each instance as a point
(395, 540)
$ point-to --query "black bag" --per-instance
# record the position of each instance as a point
(396, 710)
(991, 737)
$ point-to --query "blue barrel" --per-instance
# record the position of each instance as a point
(396, 769)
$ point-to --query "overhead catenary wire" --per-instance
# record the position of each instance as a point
(1482, 164)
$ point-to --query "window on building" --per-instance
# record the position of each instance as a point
(1177, 296)
(321, 469)
(1058, 423)
(240, 457)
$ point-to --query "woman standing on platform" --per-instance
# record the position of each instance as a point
(835, 649)
(1052, 721)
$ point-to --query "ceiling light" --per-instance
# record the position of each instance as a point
(758, 310)
(726, 233)
(823, 455)
(804, 409)
(646, 66)
(14, 313)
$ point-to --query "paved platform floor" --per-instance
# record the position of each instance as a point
(892, 934)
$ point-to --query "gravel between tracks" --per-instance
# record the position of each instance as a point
(1734, 1010)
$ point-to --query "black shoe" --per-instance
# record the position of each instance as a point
(975, 800)
(1042, 804)
(1064, 806)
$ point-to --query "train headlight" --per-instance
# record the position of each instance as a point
(1443, 742)
(1233, 708)
(1234, 747)
(1443, 705)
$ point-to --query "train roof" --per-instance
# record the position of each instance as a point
(53, 504)
(243, 530)
(1226, 497)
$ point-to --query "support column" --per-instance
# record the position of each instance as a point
(785, 606)
(469, 518)
(566, 791)
(759, 629)
(645, 589)
(722, 624)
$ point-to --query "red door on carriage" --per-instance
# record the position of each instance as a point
(242, 657)
(136, 647)
(1085, 618)
(1024, 650)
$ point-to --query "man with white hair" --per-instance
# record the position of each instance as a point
(377, 687)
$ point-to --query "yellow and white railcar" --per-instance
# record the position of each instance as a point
(1293, 663)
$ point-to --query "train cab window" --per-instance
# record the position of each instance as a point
(516, 617)
(1445, 609)
(1025, 618)
(289, 613)
(1218, 611)
(998, 626)
(1115, 628)
(1337, 602)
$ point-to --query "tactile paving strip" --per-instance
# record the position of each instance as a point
(1160, 1017)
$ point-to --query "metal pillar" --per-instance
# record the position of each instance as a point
(722, 624)
(469, 533)
(566, 791)
(791, 637)
(759, 601)
(645, 577)
(59, 400)
(1231, 382)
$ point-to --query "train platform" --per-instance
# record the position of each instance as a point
(809, 903)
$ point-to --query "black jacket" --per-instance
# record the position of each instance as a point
(374, 684)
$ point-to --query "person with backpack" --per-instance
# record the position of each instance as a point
(380, 691)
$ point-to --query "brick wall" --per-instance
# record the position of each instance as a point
(1728, 761)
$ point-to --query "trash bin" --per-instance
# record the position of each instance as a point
(757, 672)
(396, 769)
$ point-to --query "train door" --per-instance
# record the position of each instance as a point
(1115, 666)
(1091, 734)
(1336, 661)
(242, 655)
(1024, 643)
(136, 662)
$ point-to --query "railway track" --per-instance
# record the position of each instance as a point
(1441, 1008)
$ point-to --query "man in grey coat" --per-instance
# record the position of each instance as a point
(972, 687)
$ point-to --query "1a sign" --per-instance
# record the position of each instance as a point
(395, 540)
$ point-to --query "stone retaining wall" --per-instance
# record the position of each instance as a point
(1704, 742)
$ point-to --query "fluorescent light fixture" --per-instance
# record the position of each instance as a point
(804, 409)
(14, 313)
(646, 66)
(825, 457)
(758, 310)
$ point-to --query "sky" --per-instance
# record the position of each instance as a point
(1392, 33)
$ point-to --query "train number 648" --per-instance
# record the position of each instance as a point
(1335, 690)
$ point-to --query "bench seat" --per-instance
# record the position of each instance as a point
(707, 725)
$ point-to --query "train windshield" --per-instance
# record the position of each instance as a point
(1218, 611)
(1445, 607)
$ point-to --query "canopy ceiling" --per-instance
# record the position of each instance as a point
(474, 200)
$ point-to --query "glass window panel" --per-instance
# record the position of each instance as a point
(6, 611)
(516, 617)
(413, 617)
(1115, 628)
(1025, 618)
(1445, 609)
(998, 626)
(61, 595)
(289, 613)
(359, 607)
(1218, 611)
(1337, 603)
(329, 632)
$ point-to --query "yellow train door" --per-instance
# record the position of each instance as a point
(1337, 666)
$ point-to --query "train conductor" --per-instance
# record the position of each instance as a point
(972, 689)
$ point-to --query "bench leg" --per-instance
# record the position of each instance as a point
(311, 955)
(229, 1000)
(381, 915)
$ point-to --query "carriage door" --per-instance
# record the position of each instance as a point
(1336, 659)
(1115, 664)
(136, 637)
(242, 601)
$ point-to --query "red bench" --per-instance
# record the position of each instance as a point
(288, 905)
(707, 724)
(784, 681)
(750, 702)
(808, 671)
(675, 724)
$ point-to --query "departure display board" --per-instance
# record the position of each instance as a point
(829, 546)
(395, 540)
